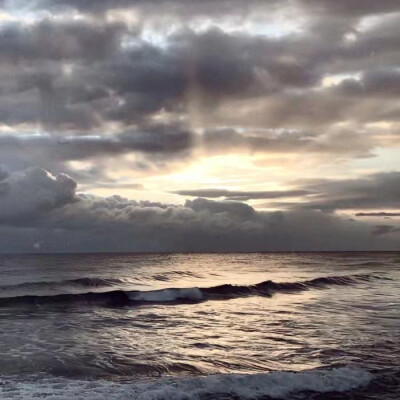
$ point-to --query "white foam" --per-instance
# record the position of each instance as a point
(167, 295)
(275, 384)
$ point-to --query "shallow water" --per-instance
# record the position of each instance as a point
(200, 326)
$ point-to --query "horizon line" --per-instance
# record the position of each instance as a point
(197, 252)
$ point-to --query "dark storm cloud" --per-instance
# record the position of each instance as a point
(134, 81)
(215, 207)
(37, 87)
(32, 195)
(209, 67)
(140, 80)
(64, 221)
(238, 195)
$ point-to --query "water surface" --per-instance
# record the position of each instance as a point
(173, 326)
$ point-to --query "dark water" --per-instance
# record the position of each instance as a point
(214, 326)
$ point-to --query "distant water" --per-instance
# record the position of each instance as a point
(192, 326)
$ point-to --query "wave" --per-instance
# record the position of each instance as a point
(184, 295)
(367, 264)
(275, 385)
(84, 283)
(227, 291)
(68, 283)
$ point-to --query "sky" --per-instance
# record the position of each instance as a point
(184, 125)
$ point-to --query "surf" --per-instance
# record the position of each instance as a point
(119, 298)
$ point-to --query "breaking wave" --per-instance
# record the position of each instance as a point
(184, 295)
(275, 385)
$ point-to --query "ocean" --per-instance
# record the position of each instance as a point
(200, 326)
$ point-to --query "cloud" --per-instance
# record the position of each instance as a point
(188, 8)
(158, 141)
(378, 214)
(112, 185)
(133, 85)
(374, 192)
(214, 207)
(39, 207)
(59, 40)
(81, 75)
(203, 67)
(289, 141)
(383, 82)
(353, 7)
(124, 84)
(218, 7)
(238, 195)
(383, 214)
(30, 195)
(385, 230)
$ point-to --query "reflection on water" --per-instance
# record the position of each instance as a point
(317, 327)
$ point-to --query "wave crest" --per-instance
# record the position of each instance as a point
(185, 295)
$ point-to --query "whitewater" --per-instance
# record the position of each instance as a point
(200, 326)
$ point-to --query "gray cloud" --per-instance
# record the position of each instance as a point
(112, 185)
(175, 7)
(215, 207)
(335, 142)
(378, 214)
(239, 195)
(385, 230)
(96, 86)
(139, 80)
(123, 84)
(353, 7)
(33, 194)
(384, 82)
(208, 67)
(375, 192)
(162, 141)
(63, 221)
(59, 40)
(218, 7)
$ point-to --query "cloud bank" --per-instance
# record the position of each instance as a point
(37, 207)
